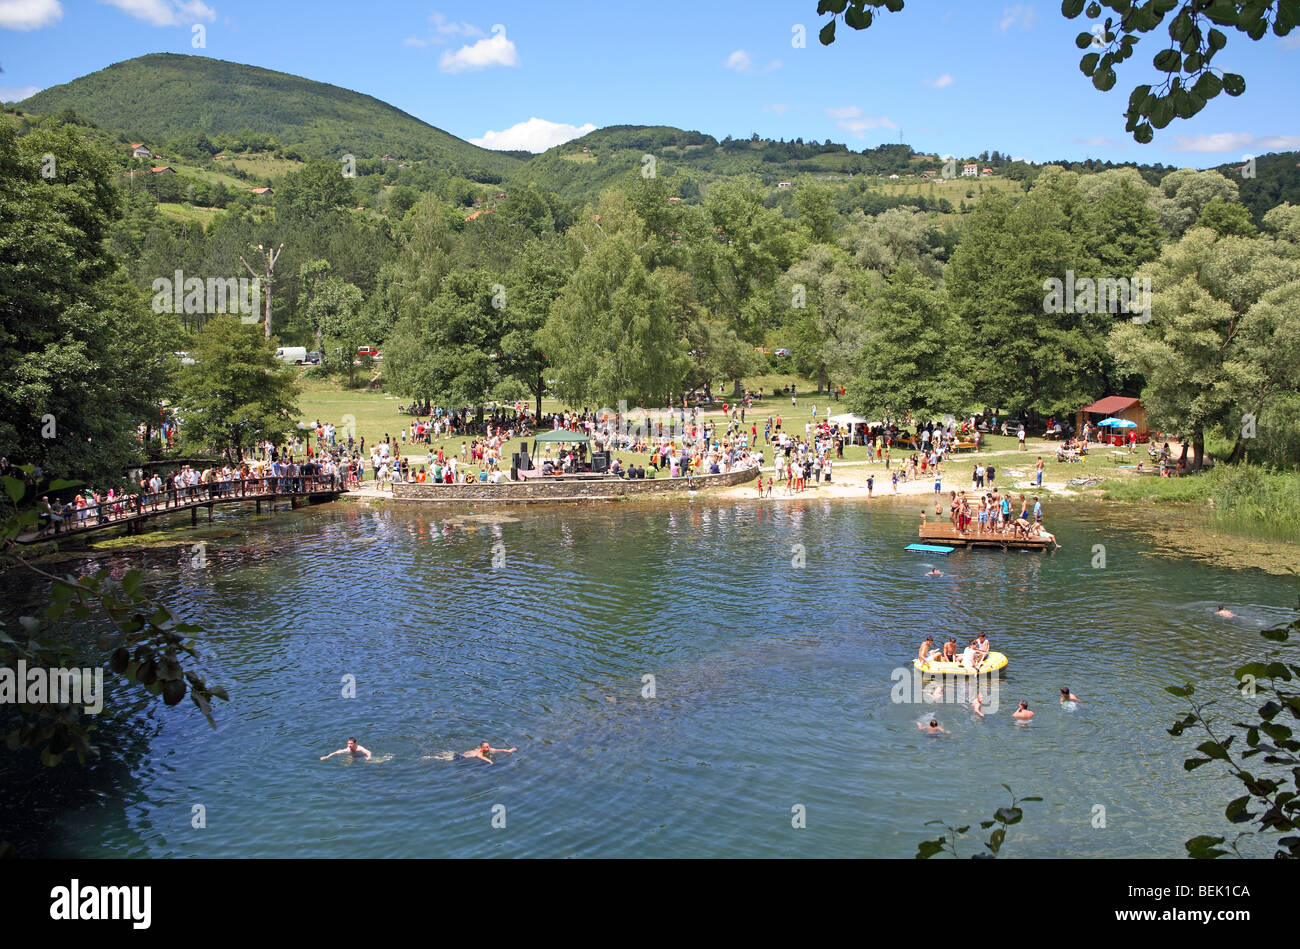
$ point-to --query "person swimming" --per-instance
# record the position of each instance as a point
(932, 728)
(977, 705)
(1023, 712)
(483, 750)
(1224, 612)
(1067, 695)
(352, 748)
(936, 572)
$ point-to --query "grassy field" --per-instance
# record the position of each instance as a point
(188, 213)
(261, 164)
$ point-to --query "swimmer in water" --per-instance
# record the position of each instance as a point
(1023, 711)
(483, 750)
(936, 572)
(352, 749)
(1225, 613)
(933, 728)
(977, 705)
(1067, 695)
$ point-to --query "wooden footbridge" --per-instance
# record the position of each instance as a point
(132, 512)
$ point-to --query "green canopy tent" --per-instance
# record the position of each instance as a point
(559, 436)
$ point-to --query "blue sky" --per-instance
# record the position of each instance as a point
(946, 77)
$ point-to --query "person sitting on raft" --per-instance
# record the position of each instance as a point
(950, 650)
(982, 649)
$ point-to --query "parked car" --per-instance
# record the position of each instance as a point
(782, 352)
(296, 355)
(371, 351)
(315, 356)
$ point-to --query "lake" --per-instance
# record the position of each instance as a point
(771, 687)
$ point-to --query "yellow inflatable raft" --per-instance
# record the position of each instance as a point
(992, 662)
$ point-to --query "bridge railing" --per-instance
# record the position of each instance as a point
(64, 521)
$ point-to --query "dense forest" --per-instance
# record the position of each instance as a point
(634, 264)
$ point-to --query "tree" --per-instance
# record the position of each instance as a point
(907, 360)
(237, 393)
(1227, 219)
(1185, 194)
(1222, 339)
(1190, 79)
(83, 356)
(1040, 358)
(824, 282)
(314, 194)
(336, 310)
(611, 333)
(446, 350)
(532, 286)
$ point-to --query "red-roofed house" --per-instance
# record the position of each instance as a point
(1117, 406)
(139, 151)
(162, 169)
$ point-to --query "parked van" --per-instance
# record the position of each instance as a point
(292, 354)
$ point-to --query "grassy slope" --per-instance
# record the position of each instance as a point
(164, 95)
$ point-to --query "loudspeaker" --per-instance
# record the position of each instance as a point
(600, 462)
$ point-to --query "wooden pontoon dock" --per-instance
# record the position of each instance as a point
(945, 533)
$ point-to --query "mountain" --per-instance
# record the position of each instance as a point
(164, 97)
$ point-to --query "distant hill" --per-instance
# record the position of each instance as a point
(583, 166)
(164, 97)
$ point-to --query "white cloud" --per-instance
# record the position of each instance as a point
(945, 80)
(846, 112)
(443, 31)
(1098, 141)
(17, 93)
(1235, 141)
(166, 12)
(861, 125)
(495, 50)
(29, 14)
(740, 61)
(1018, 15)
(535, 135)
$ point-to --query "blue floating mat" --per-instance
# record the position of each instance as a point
(931, 548)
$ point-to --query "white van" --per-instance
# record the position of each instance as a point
(292, 354)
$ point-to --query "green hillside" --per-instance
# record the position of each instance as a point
(165, 97)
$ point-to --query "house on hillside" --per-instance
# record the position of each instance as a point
(475, 216)
(986, 173)
(893, 177)
(674, 198)
(970, 170)
(139, 151)
(263, 192)
(928, 174)
(162, 170)
(785, 184)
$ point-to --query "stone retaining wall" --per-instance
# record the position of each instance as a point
(519, 492)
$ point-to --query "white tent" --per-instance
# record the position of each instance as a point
(847, 420)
